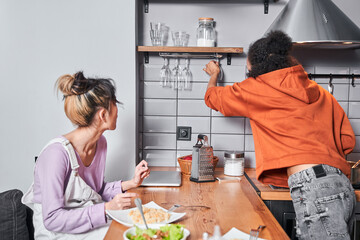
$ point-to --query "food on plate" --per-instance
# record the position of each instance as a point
(167, 232)
(152, 215)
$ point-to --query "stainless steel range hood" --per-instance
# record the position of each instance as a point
(318, 24)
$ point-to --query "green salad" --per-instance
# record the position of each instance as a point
(167, 232)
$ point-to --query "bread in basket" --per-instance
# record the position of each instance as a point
(185, 163)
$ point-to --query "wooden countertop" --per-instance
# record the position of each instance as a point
(267, 193)
(233, 203)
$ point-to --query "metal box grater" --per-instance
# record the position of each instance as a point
(202, 161)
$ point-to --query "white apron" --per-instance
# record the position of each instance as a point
(77, 195)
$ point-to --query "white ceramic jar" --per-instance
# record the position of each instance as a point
(234, 163)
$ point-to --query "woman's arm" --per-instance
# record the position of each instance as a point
(52, 171)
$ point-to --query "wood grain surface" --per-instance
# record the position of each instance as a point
(232, 203)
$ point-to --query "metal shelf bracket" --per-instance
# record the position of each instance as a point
(266, 6)
(146, 57)
(146, 6)
(228, 57)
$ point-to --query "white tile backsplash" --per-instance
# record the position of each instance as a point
(197, 124)
(233, 74)
(197, 91)
(159, 141)
(247, 126)
(345, 106)
(354, 94)
(332, 70)
(159, 107)
(154, 90)
(355, 124)
(249, 143)
(232, 125)
(341, 91)
(309, 69)
(151, 72)
(163, 109)
(216, 114)
(160, 158)
(250, 160)
(227, 142)
(220, 155)
(193, 108)
(159, 124)
(354, 110)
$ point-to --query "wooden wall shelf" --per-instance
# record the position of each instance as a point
(169, 49)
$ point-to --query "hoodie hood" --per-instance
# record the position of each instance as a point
(294, 82)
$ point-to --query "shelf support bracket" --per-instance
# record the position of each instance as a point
(228, 58)
(146, 6)
(266, 6)
(146, 57)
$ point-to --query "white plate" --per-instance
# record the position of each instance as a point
(122, 216)
(234, 233)
(156, 226)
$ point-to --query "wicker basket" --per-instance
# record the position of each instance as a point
(185, 165)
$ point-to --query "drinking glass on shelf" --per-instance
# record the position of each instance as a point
(180, 38)
(176, 75)
(158, 34)
(165, 74)
(186, 75)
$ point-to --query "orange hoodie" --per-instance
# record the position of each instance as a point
(293, 120)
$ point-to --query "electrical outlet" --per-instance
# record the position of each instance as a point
(183, 133)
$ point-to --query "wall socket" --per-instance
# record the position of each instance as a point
(183, 133)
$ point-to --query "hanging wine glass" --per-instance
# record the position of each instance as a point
(165, 74)
(176, 75)
(186, 75)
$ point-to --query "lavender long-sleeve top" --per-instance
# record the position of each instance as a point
(52, 173)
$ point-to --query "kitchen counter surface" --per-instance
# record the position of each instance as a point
(267, 193)
(232, 203)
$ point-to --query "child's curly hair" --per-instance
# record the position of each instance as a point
(270, 53)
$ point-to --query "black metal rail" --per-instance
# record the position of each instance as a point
(332, 76)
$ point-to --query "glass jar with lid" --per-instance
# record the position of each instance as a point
(234, 163)
(206, 33)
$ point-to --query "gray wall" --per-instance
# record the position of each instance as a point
(41, 40)
(238, 23)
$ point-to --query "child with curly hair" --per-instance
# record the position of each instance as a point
(301, 135)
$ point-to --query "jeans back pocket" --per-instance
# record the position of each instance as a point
(335, 212)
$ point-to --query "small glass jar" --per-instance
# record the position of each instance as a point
(234, 163)
(206, 33)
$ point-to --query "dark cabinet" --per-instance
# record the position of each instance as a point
(284, 213)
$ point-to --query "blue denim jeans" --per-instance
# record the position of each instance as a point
(324, 202)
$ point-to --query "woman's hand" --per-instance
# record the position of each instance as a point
(141, 172)
(120, 201)
(212, 68)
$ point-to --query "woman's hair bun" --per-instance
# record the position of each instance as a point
(82, 84)
(79, 76)
(64, 84)
(278, 43)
